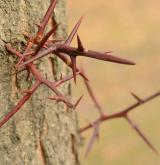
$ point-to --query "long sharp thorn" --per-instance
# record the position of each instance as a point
(80, 46)
(144, 138)
(94, 136)
(78, 101)
(136, 97)
(74, 31)
(46, 18)
(106, 57)
(73, 60)
(63, 57)
(45, 38)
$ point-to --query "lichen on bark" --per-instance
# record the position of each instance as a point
(42, 132)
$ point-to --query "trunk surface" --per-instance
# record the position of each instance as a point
(42, 132)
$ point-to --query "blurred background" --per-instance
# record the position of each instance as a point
(131, 29)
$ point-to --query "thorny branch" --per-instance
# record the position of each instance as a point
(124, 114)
(40, 46)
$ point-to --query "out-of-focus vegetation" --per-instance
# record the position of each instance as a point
(132, 30)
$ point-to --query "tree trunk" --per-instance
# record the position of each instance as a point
(42, 132)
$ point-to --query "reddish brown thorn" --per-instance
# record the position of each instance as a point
(83, 75)
(62, 48)
(45, 38)
(74, 31)
(144, 138)
(40, 78)
(106, 57)
(136, 97)
(80, 46)
(123, 112)
(78, 101)
(133, 106)
(46, 19)
(94, 136)
(63, 57)
(73, 60)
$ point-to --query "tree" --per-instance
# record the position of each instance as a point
(42, 132)
(50, 131)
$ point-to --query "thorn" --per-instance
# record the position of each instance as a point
(73, 61)
(44, 39)
(83, 74)
(136, 97)
(94, 136)
(78, 101)
(144, 138)
(80, 46)
(72, 34)
(46, 19)
(106, 57)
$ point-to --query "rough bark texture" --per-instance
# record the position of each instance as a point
(41, 132)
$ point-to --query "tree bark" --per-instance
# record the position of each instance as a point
(42, 132)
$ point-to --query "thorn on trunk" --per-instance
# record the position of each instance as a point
(80, 46)
(73, 60)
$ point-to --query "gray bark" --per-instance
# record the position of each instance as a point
(42, 132)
